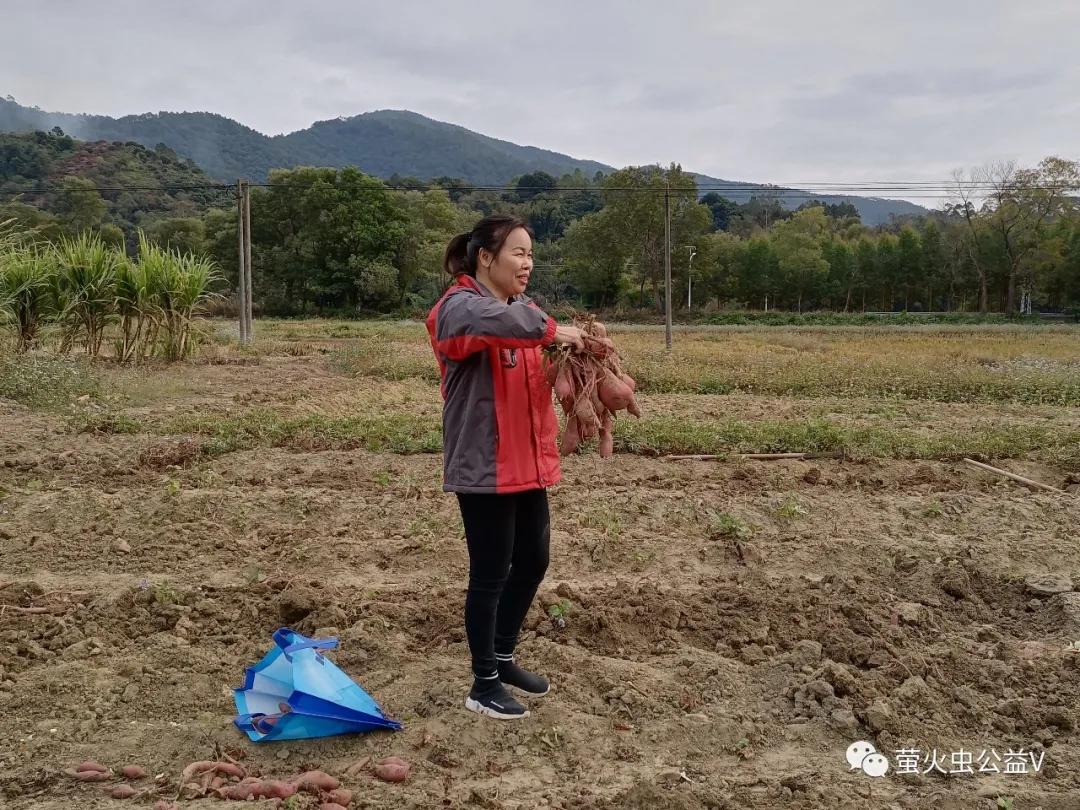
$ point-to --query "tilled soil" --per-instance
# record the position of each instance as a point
(730, 629)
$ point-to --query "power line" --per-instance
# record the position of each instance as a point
(917, 189)
(730, 186)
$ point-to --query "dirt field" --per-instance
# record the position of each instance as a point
(731, 626)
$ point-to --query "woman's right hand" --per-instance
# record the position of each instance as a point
(569, 335)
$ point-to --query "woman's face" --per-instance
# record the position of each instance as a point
(507, 274)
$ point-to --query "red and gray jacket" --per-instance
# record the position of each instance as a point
(499, 424)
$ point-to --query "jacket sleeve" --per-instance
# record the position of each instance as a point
(467, 323)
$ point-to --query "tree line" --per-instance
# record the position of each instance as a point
(338, 241)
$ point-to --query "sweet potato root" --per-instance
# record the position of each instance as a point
(341, 796)
(240, 792)
(230, 769)
(392, 769)
(315, 781)
(89, 776)
(614, 393)
(607, 440)
(571, 439)
(564, 388)
(91, 765)
(591, 387)
(586, 416)
(196, 768)
(273, 789)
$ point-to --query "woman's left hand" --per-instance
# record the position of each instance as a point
(569, 335)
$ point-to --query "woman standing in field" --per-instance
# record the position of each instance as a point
(499, 445)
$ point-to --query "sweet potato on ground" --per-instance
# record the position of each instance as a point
(91, 765)
(89, 776)
(392, 769)
(315, 781)
(341, 796)
(273, 789)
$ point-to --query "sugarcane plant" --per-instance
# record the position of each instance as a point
(86, 288)
(135, 306)
(182, 289)
(25, 275)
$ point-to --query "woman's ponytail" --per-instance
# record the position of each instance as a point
(456, 259)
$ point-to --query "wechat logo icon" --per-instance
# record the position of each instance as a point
(863, 756)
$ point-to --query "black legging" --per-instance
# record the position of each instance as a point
(508, 538)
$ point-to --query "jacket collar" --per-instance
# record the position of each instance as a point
(473, 283)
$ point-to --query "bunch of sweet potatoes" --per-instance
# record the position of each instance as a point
(592, 387)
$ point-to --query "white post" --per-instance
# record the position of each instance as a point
(690, 276)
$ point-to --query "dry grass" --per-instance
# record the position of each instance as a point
(1031, 365)
(907, 392)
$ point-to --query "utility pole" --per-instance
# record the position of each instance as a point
(243, 229)
(241, 277)
(247, 262)
(667, 266)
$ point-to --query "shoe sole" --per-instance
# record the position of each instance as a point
(480, 708)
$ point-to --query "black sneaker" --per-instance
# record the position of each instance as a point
(528, 682)
(495, 702)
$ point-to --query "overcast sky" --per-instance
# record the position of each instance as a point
(774, 92)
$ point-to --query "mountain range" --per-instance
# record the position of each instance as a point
(382, 143)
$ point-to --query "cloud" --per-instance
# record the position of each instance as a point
(780, 92)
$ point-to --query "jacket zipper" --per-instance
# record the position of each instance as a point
(532, 423)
